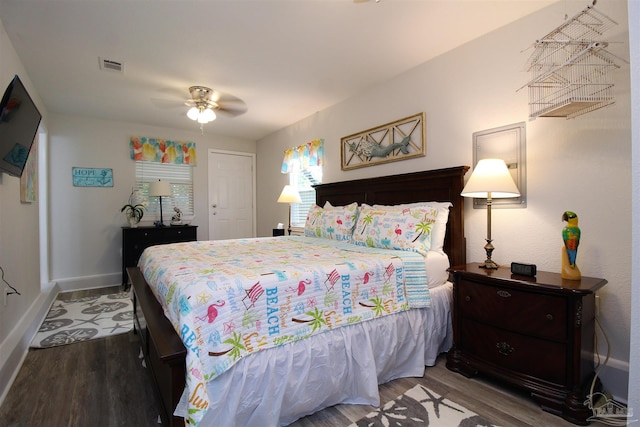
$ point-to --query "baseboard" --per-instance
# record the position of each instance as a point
(89, 282)
(14, 348)
(615, 379)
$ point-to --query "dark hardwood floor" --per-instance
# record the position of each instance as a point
(95, 383)
(103, 383)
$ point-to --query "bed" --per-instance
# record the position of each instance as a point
(303, 370)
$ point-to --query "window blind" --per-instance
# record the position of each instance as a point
(180, 178)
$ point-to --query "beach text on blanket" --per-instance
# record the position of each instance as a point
(273, 319)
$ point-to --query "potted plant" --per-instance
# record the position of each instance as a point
(134, 210)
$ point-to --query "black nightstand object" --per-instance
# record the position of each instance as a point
(278, 232)
(136, 240)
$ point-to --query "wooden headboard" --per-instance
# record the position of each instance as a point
(439, 185)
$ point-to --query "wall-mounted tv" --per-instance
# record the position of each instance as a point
(19, 121)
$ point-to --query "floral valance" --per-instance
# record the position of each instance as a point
(303, 156)
(162, 151)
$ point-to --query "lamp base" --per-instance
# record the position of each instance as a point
(489, 263)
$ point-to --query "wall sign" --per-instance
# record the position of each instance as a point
(92, 177)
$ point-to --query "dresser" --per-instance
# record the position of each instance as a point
(536, 333)
(135, 240)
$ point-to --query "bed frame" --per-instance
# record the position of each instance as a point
(163, 350)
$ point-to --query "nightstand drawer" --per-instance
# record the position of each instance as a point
(136, 240)
(530, 356)
(538, 315)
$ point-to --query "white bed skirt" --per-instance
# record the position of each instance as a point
(277, 386)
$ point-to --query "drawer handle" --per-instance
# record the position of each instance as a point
(467, 298)
(504, 294)
(549, 316)
(504, 348)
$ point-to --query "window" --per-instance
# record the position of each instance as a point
(181, 179)
(303, 181)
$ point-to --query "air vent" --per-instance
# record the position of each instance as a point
(111, 65)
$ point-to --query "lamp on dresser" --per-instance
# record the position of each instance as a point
(289, 195)
(491, 180)
(160, 189)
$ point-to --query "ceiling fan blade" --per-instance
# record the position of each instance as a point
(166, 103)
(232, 111)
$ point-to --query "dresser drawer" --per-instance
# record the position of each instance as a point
(136, 240)
(177, 234)
(530, 356)
(539, 315)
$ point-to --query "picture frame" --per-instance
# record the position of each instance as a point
(29, 177)
(509, 144)
(399, 140)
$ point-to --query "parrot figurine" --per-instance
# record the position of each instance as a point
(571, 238)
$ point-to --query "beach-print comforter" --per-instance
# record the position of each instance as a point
(230, 298)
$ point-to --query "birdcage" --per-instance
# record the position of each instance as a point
(571, 69)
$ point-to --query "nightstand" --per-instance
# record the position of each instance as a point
(536, 333)
(136, 240)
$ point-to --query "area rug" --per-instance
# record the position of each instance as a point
(420, 406)
(84, 319)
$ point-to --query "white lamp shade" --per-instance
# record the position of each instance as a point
(201, 114)
(160, 188)
(289, 195)
(193, 113)
(209, 115)
(490, 176)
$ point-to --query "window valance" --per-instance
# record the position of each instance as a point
(162, 151)
(303, 156)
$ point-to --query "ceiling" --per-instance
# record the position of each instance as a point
(286, 59)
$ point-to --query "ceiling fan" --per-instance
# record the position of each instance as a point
(206, 102)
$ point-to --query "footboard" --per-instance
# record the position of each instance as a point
(163, 351)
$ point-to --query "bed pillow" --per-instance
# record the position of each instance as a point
(335, 222)
(406, 229)
(437, 264)
(438, 229)
(313, 221)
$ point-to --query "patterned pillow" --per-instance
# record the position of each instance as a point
(439, 229)
(406, 229)
(334, 222)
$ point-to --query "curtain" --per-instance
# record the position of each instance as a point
(303, 156)
(162, 151)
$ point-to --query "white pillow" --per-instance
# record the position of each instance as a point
(439, 229)
(437, 268)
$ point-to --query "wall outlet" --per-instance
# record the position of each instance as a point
(5, 294)
(597, 305)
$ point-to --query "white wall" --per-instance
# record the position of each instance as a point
(582, 165)
(634, 358)
(86, 236)
(19, 243)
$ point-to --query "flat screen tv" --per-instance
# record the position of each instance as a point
(19, 121)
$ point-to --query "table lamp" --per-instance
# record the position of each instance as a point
(160, 189)
(491, 180)
(289, 195)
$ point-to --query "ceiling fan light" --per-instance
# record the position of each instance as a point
(193, 113)
(209, 115)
